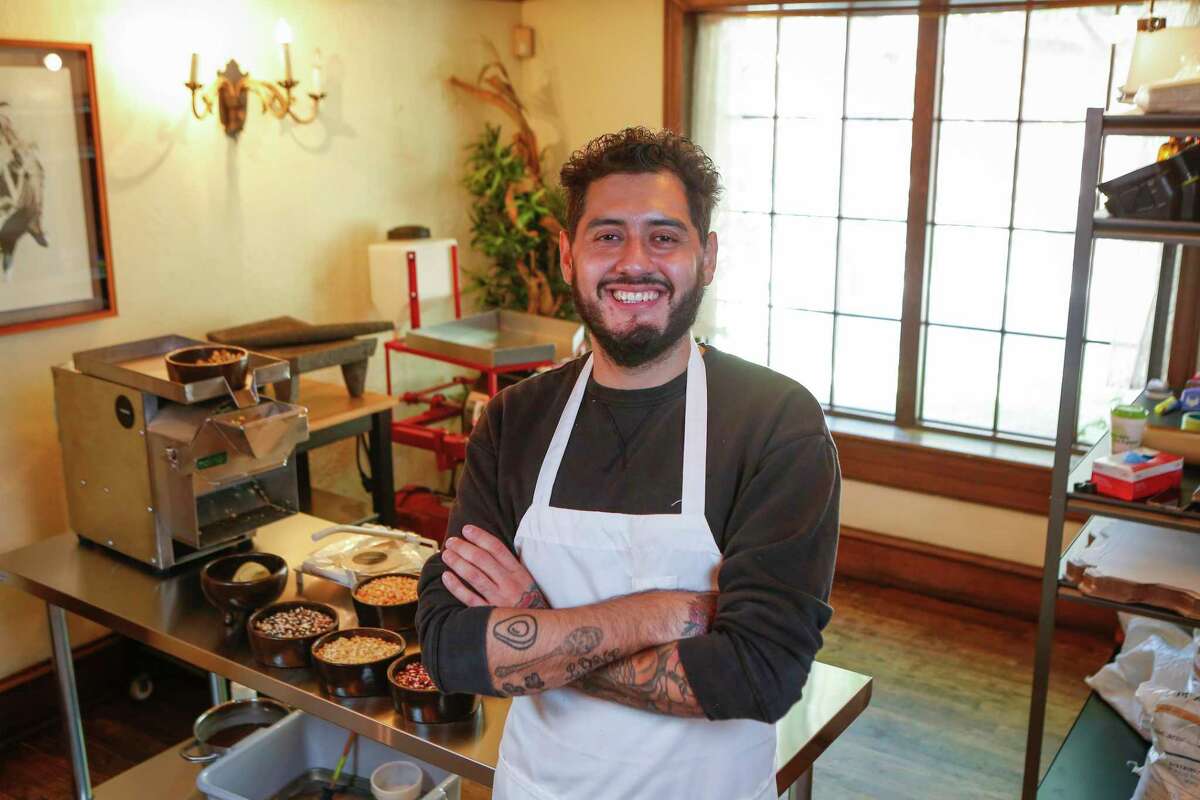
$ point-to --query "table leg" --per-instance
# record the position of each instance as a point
(64, 672)
(383, 482)
(218, 689)
(802, 788)
(303, 482)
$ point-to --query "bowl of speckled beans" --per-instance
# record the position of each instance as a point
(282, 634)
(387, 601)
(416, 697)
(353, 662)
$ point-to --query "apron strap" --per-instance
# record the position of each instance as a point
(562, 435)
(695, 436)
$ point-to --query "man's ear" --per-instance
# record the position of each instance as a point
(565, 262)
(708, 262)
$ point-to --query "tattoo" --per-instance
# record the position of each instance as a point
(512, 690)
(585, 664)
(534, 681)
(701, 611)
(533, 598)
(579, 642)
(652, 680)
(519, 632)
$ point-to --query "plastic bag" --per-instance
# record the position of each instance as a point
(349, 557)
(1172, 768)
(1156, 654)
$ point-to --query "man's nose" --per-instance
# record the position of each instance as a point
(634, 258)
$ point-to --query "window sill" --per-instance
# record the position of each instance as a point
(1002, 474)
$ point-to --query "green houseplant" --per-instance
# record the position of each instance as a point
(515, 216)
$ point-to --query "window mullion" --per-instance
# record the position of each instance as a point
(929, 41)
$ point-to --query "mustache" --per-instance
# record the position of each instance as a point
(645, 280)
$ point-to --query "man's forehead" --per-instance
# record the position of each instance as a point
(635, 196)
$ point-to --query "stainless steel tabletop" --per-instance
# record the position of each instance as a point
(170, 614)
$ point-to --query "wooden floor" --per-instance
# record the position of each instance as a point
(947, 718)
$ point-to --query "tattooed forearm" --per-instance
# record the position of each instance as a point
(652, 680)
(579, 642)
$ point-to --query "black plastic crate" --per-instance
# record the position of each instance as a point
(1164, 190)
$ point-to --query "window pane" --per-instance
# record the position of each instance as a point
(1048, 176)
(805, 260)
(1124, 154)
(747, 65)
(1105, 383)
(1066, 68)
(981, 72)
(1039, 282)
(807, 166)
(871, 268)
(881, 66)
(812, 52)
(743, 151)
(975, 173)
(743, 257)
(960, 376)
(966, 276)
(737, 328)
(865, 362)
(875, 169)
(1122, 291)
(1030, 380)
(802, 349)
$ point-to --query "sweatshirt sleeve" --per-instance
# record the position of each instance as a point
(774, 583)
(453, 635)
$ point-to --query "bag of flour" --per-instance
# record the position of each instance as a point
(1172, 768)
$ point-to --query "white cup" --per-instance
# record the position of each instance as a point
(397, 780)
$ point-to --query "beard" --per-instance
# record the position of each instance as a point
(642, 343)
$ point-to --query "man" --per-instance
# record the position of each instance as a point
(644, 538)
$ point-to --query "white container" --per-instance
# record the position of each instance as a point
(264, 762)
(397, 780)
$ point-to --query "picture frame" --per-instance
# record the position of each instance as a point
(55, 249)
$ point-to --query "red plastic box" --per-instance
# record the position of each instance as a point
(1137, 473)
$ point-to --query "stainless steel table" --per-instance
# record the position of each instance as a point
(171, 615)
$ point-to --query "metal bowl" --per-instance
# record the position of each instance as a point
(236, 719)
(182, 366)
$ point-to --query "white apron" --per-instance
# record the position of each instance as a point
(565, 745)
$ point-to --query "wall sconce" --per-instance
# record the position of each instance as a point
(231, 90)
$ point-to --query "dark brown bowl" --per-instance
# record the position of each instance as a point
(394, 618)
(273, 651)
(429, 707)
(355, 680)
(238, 598)
(182, 366)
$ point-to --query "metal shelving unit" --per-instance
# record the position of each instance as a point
(1088, 748)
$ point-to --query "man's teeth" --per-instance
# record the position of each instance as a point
(635, 297)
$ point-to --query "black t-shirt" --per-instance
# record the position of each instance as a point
(771, 500)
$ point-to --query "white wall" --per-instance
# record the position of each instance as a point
(208, 232)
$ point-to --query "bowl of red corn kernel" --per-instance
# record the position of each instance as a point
(282, 634)
(387, 601)
(416, 697)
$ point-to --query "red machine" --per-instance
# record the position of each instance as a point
(420, 430)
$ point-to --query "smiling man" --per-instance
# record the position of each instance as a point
(643, 544)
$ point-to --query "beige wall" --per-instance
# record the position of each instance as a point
(207, 232)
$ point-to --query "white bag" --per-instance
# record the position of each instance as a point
(1172, 768)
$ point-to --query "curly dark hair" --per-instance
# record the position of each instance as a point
(640, 150)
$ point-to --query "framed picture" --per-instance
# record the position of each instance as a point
(55, 252)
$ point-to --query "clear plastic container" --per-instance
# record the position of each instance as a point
(257, 767)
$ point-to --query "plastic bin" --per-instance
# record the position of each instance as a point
(1165, 190)
(257, 767)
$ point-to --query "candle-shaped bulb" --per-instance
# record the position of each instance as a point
(283, 35)
(195, 73)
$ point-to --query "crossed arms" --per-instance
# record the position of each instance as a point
(624, 649)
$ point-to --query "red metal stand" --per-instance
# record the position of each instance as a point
(418, 431)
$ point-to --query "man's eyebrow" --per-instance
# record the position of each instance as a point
(665, 222)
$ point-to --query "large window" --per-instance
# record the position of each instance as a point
(811, 120)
